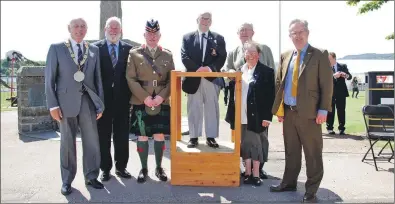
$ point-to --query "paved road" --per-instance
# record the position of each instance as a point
(30, 172)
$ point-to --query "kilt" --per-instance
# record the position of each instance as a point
(143, 124)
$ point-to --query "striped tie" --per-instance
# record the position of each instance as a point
(113, 55)
(80, 55)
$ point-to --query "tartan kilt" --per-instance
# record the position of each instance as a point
(148, 124)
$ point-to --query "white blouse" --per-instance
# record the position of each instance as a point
(247, 77)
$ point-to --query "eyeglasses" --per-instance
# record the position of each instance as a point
(294, 33)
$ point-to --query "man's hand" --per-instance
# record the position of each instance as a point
(203, 69)
(337, 75)
(148, 101)
(56, 114)
(344, 75)
(99, 115)
(321, 118)
(265, 123)
(158, 100)
(280, 119)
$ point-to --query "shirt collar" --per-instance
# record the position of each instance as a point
(303, 49)
(200, 33)
(150, 48)
(245, 68)
(109, 43)
(74, 43)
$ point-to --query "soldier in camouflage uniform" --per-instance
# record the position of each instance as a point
(148, 75)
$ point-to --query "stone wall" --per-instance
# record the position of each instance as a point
(33, 115)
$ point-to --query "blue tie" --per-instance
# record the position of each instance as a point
(113, 55)
(79, 55)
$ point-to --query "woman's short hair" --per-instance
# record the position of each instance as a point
(251, 44)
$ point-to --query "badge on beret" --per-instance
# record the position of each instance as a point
(152, 26)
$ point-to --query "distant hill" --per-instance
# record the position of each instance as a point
(369, 56)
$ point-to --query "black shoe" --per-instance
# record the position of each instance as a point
(242, 173)
(262, 174)
(142, 175)
(94, 183)
(193, 142)
(342, 132)
(331, 132)
(105, 176)
(212, 143)
(123, 173)
(160, 173)
(282, 188)
(247, 179)
(66, 189)
(256, 181)
(185, 133)
(309, 198)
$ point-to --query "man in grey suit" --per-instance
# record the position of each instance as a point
(74, 92)
(235, 61)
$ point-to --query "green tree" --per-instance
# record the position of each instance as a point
(370, 6)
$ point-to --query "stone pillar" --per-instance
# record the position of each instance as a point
(109, 9)
(33, 115)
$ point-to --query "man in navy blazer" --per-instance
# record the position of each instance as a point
(113, 59)
(203, 51)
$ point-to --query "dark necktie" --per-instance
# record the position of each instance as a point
(113, 55)
(333, 69)
(202, 46)
(202, 43)
(79, 55)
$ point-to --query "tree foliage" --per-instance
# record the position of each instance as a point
(6, 66)
(370, 6)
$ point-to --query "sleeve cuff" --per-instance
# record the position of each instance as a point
(51, 109)
(267, 121)
(322, 112)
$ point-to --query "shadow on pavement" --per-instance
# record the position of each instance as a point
(346, 136)
(248, 193)
(128, 190)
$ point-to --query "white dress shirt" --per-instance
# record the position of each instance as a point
(74, 47)
(204, 42)
(335, 67)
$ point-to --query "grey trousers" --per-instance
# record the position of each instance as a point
(204, 101)
(86, 120)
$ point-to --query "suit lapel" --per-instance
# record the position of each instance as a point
(85, 65)
(104, 49)
(306, 59)
(120, 52)
(255, 76)
(67, 53)
(208, 46)
(240, 54)
(196, 44)
(287, 60)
